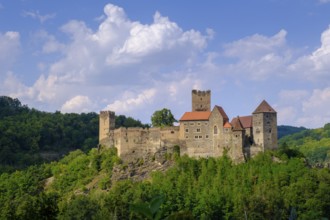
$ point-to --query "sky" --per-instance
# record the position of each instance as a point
(136, 57)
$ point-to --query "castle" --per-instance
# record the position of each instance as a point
(201, 133)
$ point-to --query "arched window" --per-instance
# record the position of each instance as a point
(215, 130)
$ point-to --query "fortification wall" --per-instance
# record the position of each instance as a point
(135, 143)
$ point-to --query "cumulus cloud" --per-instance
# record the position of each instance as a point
(258, 56)
(9, 50)
(315, 66)
(130, 101)
(77, 104)
(121, 55)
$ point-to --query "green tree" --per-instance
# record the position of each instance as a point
(162, 118)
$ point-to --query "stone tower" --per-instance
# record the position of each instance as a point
(265, 126)
(106, 125)
(201, 100)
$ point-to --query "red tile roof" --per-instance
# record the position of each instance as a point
(195, 116)
(227, 125)
(237, 125)
(264, 107)
(222, 112)
(245, 120)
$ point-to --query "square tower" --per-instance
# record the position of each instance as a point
(201, 101)
(106, 124)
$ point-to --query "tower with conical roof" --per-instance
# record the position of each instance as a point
(264, 121)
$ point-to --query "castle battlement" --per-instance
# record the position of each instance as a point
(202, 132)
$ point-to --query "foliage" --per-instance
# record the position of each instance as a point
(314, 144)
(123, 121)
(29, 136)
(284, 130)
(162, 118)
(212, 188)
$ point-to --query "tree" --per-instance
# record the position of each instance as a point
(162, 118)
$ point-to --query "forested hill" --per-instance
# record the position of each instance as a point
(29, 136)
(313, 143)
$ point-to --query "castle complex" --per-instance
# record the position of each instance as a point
(203, 132)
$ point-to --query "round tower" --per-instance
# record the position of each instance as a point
(201, 100)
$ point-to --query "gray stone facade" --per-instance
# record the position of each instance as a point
(202, 133)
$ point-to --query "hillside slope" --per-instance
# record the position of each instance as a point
(313, 143)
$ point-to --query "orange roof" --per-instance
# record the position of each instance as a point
(227, 125)
(245, 120)
(264, 107)
(195, 116)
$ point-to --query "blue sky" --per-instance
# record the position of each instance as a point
(135, 57)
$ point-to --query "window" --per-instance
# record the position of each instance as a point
(172, 132)
(270, 130)
(205, 123)
(206, 136)
(187, 130)
(186, 136)
(215, 130)
(192, 123)
(200, 136)
(198, 130)
(196, 137)
(198, 123)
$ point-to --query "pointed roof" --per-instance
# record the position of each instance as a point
(263, 108)
(195, 116)
(245, 120)
(237, 126)
(222, 112)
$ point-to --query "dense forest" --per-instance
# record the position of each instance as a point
(80, 186)
(314, 144)
(29, 136)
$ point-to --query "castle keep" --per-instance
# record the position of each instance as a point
(203, 132)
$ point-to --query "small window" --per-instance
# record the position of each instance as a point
(270, 130)
(192, 123)
(185, 123)
(196, 137)
(215, 130)
(205, 123)
(200, 136)
(198, 130)
(172, 132)
(198, 123)
(186, 136)
(206, 136)
(187, 130)
(201, 99)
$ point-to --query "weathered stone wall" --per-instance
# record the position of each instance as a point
(201, 100)
(106, 123)
(265, 130)
(141, 142)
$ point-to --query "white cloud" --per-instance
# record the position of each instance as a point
(77, 104)
(316, 66)
(130, 101)
(121, 55)
(38, 16)
(9, 50)
(258, 57)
